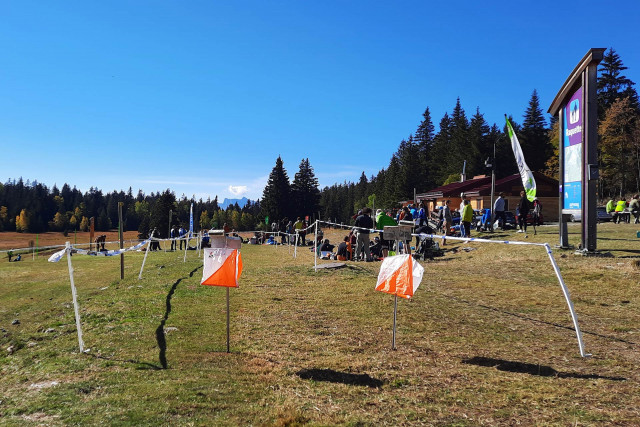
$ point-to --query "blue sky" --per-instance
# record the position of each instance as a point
(202, 96)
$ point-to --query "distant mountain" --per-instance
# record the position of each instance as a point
(227, 202)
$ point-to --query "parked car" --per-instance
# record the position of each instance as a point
(601, 212)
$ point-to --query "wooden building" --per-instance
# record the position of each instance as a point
(478, 191)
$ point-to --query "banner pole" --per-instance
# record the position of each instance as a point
(75, 298)
(228, 348)
(146, 252)
(395, 311)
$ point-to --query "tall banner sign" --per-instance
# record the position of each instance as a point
(576, 106)
(572, 158)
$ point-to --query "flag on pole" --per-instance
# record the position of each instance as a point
(399, 275)
(222, 267)
(191, 221)
(528, 181)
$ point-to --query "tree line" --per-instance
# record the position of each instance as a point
(33, 207)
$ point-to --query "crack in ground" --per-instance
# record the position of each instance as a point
(160, 337)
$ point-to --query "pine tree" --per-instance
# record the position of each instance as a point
(440, 160)
(276, 197)
(304, 190)
(534, 136)
(612, 84)
(480, 146)
(459, 134)
(424, 140)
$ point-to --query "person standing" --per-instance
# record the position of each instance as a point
(174, 234)
(298, 226)
(537, 211)
(467, 217)
(364, 223)
(523, 211)
(421, 216)
(462, 204)
(382, 220)
(634, 207)
(181, 233)
(498, 210)
(446, 220)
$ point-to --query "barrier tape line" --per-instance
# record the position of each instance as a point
(58, 255)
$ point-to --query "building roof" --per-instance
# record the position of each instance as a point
(546, 187)
(455, 188)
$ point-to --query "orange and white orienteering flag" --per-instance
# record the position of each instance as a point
(222, 267)
(399, 275)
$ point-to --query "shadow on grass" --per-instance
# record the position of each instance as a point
(332, 376)
(532, 369)
(141, 365)
(620, 240)
(531, 319)
(162, 341)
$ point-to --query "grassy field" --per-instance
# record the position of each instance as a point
(487, 340)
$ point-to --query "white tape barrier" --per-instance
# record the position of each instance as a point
(556, 269)
(58, 255)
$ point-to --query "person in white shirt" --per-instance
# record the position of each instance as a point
(498, 210)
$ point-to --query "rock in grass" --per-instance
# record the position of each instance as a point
(15, 322)
(11, 349)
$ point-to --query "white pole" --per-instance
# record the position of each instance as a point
(395, 312)
(565, 291)
(75, 298)
(146, 252)
(185, 249)
(315, 249)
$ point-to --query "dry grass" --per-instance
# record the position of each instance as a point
(487, 340)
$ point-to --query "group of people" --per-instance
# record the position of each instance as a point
(289, 228)
(177, 231)
(617, 210)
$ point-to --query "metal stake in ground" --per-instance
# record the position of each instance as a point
(228, 316)
(120, 204)
(75, 298)
(395, 312)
